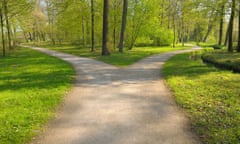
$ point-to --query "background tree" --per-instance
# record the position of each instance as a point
(92, 21)
(231, 24)
(105, 29)
(124, 21)
(2, 32)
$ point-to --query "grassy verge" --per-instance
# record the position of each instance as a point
(210, 96)
(118, 59)
(31, 86)
(222, 59)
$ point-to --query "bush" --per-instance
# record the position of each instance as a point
(162, 37)
(217, 47)
(143, 41)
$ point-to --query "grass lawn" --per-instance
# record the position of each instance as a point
(32, 85)
(118, 59)
(210, 96)
(223, 59)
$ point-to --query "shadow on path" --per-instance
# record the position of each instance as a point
(110, 105)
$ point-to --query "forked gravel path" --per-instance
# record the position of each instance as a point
(110, 105)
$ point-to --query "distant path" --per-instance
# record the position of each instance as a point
(110, 105)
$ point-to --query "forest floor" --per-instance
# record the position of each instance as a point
(118, 105)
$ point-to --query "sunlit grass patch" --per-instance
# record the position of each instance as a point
(31, 86)
(210, 96)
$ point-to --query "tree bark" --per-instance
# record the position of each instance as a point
(230, 39)
(83, 33)
(210, 27)
(221, 26)
(174, 32)
(124, 21)
(7, 24)
(3, 38)
(93, 25)
(226, 37)
(105, 28)
(238, 47)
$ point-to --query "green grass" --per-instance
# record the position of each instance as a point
(210, 96)
(224, 60)
(118, 59)
(32, 85)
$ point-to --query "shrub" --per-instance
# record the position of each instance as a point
(217, 47)
(162, 37)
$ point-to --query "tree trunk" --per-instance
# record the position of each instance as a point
(174, 32)
(105, 29)
(226, 37)
(221, 26)
(30, 36)
(83, 33)
(92, 23)
(114, 27)
(7, 24)
(3, 38)
(124, 21)
(230, 40)
(210, 26)
(238, 47)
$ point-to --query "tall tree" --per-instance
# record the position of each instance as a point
(92, 23)
(230, 39)
(105, 28)
(238, 47)
(124, 21)
(221, 25)
(5, 4)
(2, 31)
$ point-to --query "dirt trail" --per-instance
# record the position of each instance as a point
(110, 105)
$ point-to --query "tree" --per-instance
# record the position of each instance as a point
(5, 5)
(105, 28)
(124, 21)
(92, 21)
(221, 25)
(2, 31)
(230, 36)
(238, 47)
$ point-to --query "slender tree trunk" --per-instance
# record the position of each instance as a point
(230, 41)
(7, 24)
(114, 27)
(221, 26)
(83, 33)
(114, 36)
(93, 25)
(210, 26)
(3, 38)
(226, 37)
(105, 29)
(174, 32)
(238, 47)
(124, 21)
(30, 36)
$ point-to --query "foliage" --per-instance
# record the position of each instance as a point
(218, 46)
(209, 95)
(224, 60)
(32, 85)
(162, 37)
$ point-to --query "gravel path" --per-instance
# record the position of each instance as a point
(110, 105)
